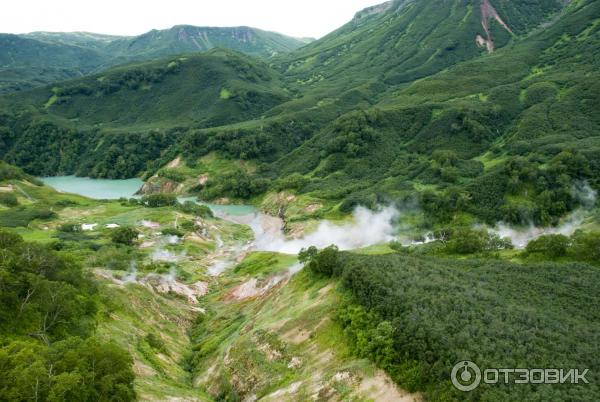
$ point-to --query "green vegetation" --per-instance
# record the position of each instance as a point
(582, 246)
(8, 200)
(39, 58)
(417, 317)
(48, 353)
(24, 215)
(399, 106)
(159, 200)
(124, 235)
(192, 208)
(501, 136)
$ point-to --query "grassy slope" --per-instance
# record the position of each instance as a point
(283, 345)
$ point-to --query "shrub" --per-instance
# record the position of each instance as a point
(22, 216)
(159, 200)
(8, 199)
(69, 228)
(552, 246)
(324, 262)
(294, 181)
(586, 246)
(156, 343)
(124, 235)
(171, 174)
(172, 232)
(470, 241)
(192, 208)
(8, 239)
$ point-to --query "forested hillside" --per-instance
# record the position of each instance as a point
(26, 63)
(417, 317)
(451, 147)
(35, 59)
(337, 129)
(48, 317)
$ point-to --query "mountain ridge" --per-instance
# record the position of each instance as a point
(460, 174)
(56, 56)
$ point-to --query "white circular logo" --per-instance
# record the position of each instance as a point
(466, 376)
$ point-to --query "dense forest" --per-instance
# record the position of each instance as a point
(48, 350)
(509, 145)
(417, 317)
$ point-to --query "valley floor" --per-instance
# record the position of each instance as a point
(255, 329)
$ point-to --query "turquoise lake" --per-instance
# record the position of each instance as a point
(99, 189)
(106, 189)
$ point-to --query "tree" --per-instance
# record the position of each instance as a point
(552, 246)
(124, 235)
(159, 200)
(324, 262)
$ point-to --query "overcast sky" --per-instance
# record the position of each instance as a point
(301, 18)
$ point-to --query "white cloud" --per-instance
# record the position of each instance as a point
(306, 18)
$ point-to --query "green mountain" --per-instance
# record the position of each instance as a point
(358, 135)
(187, 39)
(39, 58)
(87, 40)
(26, 63)
(402, 40)
(212, 88)
(477, 119)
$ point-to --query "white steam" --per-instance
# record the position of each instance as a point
(520, 237)
(585, 194)
(368, 228)
(163, 255)
(132, 273)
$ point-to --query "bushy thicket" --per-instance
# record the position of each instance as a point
(44, 148)
(124, 235)
(8, 199)
(581, 246)
(47, 317)
(417, 317)
(198, 210)
(159, 200)
(520, 191)
(236, 184)
(25, 214)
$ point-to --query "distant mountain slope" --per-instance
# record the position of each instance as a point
(84, 39)
(187, 38)
(217, 87)
(39, 58)
(26, 63)
(403, 40)
(486, 135)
